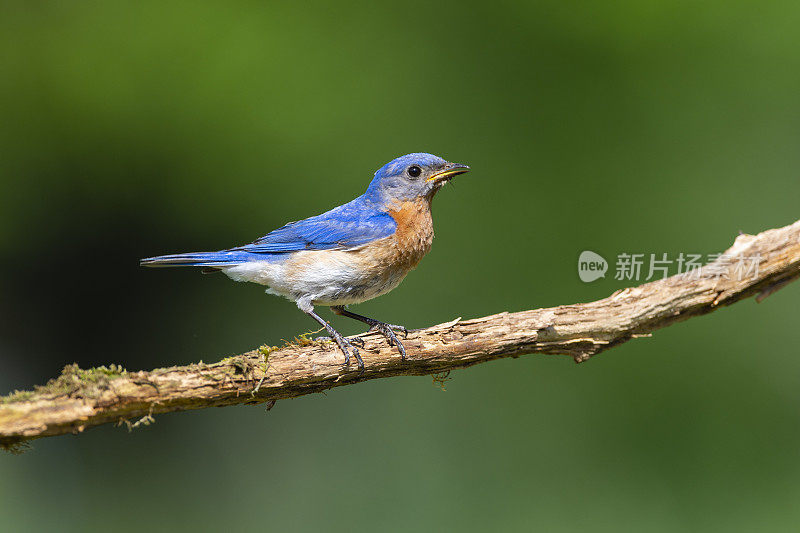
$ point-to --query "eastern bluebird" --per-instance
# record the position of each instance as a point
(350, 254)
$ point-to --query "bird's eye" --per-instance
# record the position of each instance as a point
(414, 171)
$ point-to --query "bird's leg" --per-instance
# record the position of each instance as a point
(376, 325)
(343, 343)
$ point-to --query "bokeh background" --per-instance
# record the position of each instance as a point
(130, 129)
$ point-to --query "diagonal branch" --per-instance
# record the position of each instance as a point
(79, 399)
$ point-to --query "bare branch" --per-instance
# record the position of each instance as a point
(79, 399)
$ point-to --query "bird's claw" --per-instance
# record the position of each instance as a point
(387, 330)
(382, 327)
(346, 345)
(357, 341)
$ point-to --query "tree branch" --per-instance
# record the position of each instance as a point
(79, 399)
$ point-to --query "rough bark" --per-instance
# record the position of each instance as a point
(79, 399)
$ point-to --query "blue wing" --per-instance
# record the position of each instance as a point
(348, 226)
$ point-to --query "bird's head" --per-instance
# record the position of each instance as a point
(412, 176)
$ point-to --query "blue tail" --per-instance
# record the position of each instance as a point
(201, 259)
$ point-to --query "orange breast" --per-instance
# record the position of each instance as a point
(414, 234)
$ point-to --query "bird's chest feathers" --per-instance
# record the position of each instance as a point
(414, 234)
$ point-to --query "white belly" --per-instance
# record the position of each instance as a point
(325, 277)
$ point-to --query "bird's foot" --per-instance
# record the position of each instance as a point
(387, 330)
(358, 341)
(346, 346)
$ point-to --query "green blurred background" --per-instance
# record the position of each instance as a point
(130, 129)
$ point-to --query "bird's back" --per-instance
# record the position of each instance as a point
(351, 225)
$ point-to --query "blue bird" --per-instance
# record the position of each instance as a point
(348, 255)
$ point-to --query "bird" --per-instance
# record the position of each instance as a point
(348, 255)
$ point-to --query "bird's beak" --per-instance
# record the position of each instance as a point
(452, 169)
